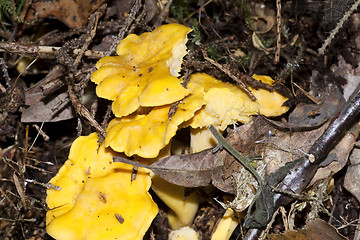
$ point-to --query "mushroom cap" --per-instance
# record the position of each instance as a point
(145, 71)
(146, 135)
(225, 103)
(271, 103)
(98, 199)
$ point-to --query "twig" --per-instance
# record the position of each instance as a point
(21, 164)
(163, 14)
(95, 18)
(338, 27)
(227, 72)
(41, 132)
(105, 122)
(20, 189)
(44, 52)
(314, 100)
(82, 111)
(268, 227)
(336, 129)
(278, 31)
(8, 199)
(134, 11)
(4, 69)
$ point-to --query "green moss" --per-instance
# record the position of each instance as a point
(181, 9)
(214, 52)
(10, 11)
(195, 34)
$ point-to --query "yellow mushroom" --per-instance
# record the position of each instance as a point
(227, 104)
(146, 66)
(182, 209)
(185, 233)
(146, 135)
(98, 198)
(226, 226)
(270, 102)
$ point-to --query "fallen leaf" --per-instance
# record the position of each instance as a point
(49, 109)
(352, 176)
(347, 71)
(341, 152)
(314, 114)
(192, 170)
(47, 101)
(72, 13)
(316, 229)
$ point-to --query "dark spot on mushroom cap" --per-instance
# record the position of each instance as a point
(119, 218)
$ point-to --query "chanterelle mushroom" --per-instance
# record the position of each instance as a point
(146, 135)
(227, 104)
(98, 198)
(271, 103)
(226, 226)
(146, 66)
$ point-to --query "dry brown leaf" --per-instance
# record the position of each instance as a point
(315, 230)
(72, 13)
(352, 176)
(341, 153)
(192, 170)
(49, 109)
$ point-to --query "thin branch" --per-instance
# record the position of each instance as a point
(163, 14)
(338, 27)
(4, 69)
(227, 72)
(132, 15)
(95, 18)
(44, 52)
(278, 31)
(82, 111)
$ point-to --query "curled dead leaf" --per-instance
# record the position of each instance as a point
(72, 13)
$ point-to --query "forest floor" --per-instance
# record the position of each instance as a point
(49, 49)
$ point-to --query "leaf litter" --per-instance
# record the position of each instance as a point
(268, 143)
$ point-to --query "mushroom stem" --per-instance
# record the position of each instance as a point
(183, 208)
(201, 139)
(185, 233)
(226, 226)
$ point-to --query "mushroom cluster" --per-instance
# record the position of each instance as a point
(150, 104)
(98, 199)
